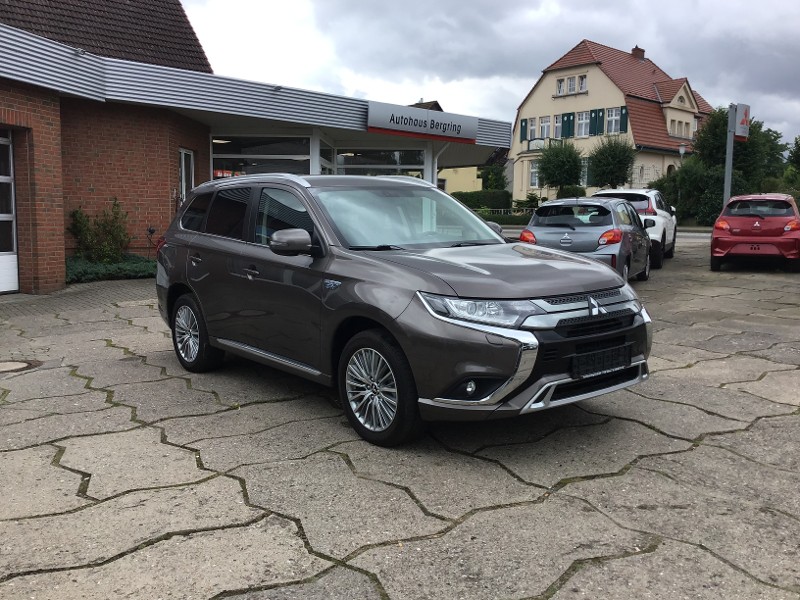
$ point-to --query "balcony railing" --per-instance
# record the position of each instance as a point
(542, 143)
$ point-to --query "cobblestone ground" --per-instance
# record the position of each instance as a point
(124, 476)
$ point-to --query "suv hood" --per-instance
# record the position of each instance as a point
(514, 270)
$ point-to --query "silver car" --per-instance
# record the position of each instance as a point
(606, 229)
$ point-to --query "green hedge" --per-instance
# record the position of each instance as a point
(485, 198)
(505, 219)
(80, 270)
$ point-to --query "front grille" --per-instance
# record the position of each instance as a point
(582, 298)
(593, 384)
(592, 325)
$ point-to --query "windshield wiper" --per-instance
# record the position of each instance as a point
(462, 244)
(560, 225)
(378, 247)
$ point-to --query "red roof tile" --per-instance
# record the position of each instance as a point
(647, 124)
(634, 76)
(149, 31)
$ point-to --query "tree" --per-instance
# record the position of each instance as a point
(794, 154)
(560, 165)
(759, 157)
(611, 161)
(493, 177)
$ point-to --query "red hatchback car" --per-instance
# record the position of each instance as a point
(757, 225)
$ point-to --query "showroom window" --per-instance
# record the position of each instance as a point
(380, 162)
(260, 154)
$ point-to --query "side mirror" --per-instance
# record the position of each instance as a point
(290, 242)
(672, 210)
(495, 227)
(648, 223)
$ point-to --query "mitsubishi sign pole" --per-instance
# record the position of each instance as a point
(738, 129)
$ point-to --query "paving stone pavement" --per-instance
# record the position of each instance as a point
(123, 476)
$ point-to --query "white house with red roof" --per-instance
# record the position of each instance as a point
(594, 91)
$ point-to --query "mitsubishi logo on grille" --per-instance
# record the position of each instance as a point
(594, 307)
(566, 240)
(756, 224)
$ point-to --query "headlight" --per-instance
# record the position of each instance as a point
(502, 313)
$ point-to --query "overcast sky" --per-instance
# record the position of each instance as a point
(481, 57)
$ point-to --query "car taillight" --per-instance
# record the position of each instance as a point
(160, 242)
(527, 236)
(650, 212)
(722, 225)
(793, 225)
(612, 236)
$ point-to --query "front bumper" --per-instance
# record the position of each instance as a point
(535, 368)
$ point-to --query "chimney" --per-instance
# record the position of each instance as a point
(638, 52)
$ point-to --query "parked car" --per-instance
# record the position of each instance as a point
(760, 225)
(606, 229)
(398, 295)
(650, 204)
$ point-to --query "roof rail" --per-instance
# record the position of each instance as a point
(408, 178)
(299, 179)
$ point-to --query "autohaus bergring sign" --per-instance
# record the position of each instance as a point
(421, 123)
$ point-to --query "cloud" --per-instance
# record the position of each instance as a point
(482, 57)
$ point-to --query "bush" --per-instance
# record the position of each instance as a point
(485, 198)
(81, 270)
(506, 219)
(103, 239)
(571, 191)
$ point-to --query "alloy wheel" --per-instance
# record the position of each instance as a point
(371, 389)
(187, 334)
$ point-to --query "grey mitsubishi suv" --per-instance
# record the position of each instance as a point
(392, 291)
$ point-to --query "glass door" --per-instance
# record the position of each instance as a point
(9, 269)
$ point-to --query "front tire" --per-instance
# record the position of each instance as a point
(190, 337)
(377, 389)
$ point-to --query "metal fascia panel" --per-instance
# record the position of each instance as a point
(38, 61)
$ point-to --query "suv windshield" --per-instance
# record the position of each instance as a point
(576, 216)
(759, 208)
(395, 217)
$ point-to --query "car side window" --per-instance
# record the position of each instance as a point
(623, 214)
(660, 202)
(227, 216)
(635, 219)
(279, 209)
(195, 213)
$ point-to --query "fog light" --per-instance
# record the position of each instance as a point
(471, 387)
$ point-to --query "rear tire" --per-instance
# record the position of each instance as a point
(657, 254)
(671, 252)
(645, 275)
(715, 263)
(377, 389)
(190, 337)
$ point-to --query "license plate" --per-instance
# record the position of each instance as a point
(593, 364)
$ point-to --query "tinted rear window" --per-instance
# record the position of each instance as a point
(227, 214)
(195, 213)
(639, 201)
(759, 208)
(577, 216)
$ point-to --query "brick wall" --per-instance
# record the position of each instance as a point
(130, 153)
(34, 117)
(71, 153)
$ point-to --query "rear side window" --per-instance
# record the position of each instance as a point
(279, 209)
(228, 213)
(195, 214)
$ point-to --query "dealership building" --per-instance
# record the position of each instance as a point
(122, 104)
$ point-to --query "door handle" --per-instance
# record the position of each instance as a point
(252, 272)
(196, 259)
